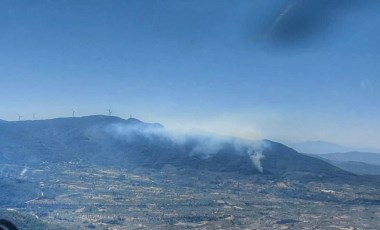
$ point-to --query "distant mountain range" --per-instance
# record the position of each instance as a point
(108, 140)
(324, 147)
(368, 158)
(356, 162)
(318, 147)
(346, 158)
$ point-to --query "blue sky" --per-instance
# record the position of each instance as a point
(214, 66)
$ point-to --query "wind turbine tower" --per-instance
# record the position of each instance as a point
(109, 112)
(73, 113)
(19, 117)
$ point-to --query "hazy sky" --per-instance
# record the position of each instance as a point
(255, 68)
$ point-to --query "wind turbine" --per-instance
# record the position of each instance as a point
(19, 117)
(73, 113)
(109, 112)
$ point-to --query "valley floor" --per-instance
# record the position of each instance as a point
(93, 197)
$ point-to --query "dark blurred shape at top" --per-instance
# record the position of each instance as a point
(299, 21)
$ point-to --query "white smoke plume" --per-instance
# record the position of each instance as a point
(256, 157)
(203, 145)
(256, 154)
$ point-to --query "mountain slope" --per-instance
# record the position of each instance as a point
(58, 139)
(131, 143)
(282, 160)
(358, 168)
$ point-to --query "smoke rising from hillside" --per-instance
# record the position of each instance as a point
(204, 146)
(256, 154)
